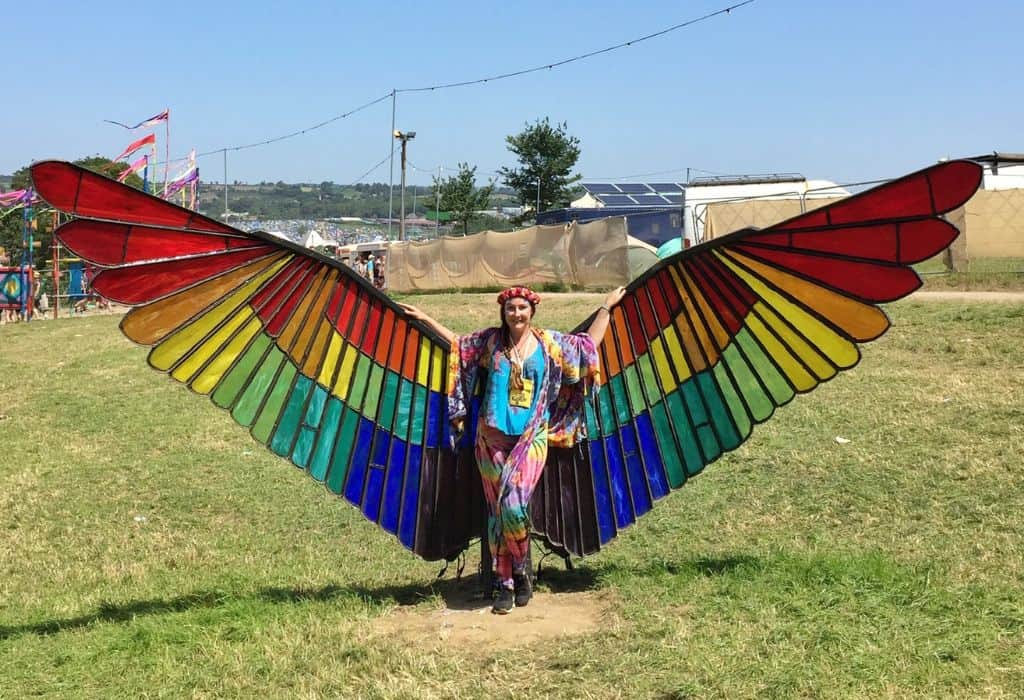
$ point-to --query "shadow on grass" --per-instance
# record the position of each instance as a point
(461, 593)
(458, 593)
(696, 567)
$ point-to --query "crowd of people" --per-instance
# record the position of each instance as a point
(371, 268)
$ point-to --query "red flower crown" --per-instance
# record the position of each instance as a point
(519, 293)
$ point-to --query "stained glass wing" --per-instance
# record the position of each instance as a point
(708, 343)
(318, 365)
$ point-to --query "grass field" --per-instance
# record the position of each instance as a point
(152, 549)
(980, 274)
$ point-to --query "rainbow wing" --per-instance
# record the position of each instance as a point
(320, 367)
(708, 343)
(329, 373)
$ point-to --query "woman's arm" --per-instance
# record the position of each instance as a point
(599, 326)
(442, 330)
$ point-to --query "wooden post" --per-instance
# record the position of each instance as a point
(55, 252)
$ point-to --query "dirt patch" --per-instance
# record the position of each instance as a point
(464, 621)
(968, 296)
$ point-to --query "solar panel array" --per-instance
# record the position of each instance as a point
(636, 194)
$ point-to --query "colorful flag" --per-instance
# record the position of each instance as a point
(192, 175)
(152, 121)
(181, 177)
(144, 141)
(15, 197)
(134, 168)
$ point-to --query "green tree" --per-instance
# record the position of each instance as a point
(547, 154)
(10, 236)
(460, 195)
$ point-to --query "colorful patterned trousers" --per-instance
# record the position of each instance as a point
(509, 469)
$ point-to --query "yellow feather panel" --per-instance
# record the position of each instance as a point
(423, 364)
(842, 352)
(808, 354)
(797, 374)
(684, 369)
(331, 359)
(661, 365)
(181, 342)
(148, 324)
(212, 345)
(859, 320)
(344, 380)
(211, 374)
(437, 369)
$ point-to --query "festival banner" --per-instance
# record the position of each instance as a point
(134, 168)
(149, 140)
(15, 197)
(175, 185)
(152, 121)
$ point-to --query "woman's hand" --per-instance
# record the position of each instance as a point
(599, 326)
(614, 297)
(418, 315)
(413, 311)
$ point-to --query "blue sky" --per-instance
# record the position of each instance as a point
(846, 91)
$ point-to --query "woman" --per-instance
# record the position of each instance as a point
(536, 381)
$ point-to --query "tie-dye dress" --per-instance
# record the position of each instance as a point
(511, 465)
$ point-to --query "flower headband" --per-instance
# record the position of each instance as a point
(519, 293)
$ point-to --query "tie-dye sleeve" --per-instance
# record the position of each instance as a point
(578, 356)
(464, 360)
(577, 360)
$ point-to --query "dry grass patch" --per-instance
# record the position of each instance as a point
(151, 549)
(459, 621)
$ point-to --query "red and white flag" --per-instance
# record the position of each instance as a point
(136, 145)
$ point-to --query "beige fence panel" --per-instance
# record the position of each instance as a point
(995, 224)
(991, 225)
(592, 254)
(955, 256)
(595, 254)
(725, 217)
(598, 253)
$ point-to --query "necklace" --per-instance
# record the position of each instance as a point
(515, 358)
(521, 345)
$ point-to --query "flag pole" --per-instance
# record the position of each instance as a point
(167, 146)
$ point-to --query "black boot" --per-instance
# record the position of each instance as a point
(524, 588)
(502, 601)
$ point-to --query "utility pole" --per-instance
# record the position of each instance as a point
(536, 212)
(404, 137)
(226, 210)
(391, 186)
(437, 205)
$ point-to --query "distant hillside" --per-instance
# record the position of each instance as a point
(5, 182)
(281, 200)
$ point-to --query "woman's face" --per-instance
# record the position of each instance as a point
(518, 313)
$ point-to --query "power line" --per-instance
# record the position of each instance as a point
(382, 162)
(502, 76)
(591, 54)
(613, 178)
(591, 178)
(299, 132)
